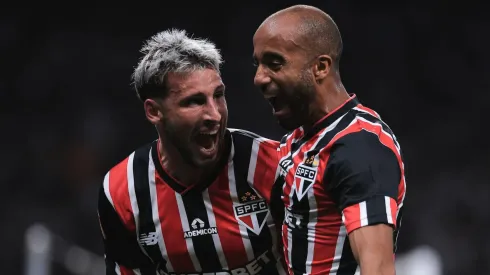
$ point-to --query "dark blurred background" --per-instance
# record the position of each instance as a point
(68, 114)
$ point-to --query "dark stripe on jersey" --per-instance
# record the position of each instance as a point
(299, 241)
(148, 271)
(376, 204)
(203, 245)
(276, 204)
(121, 245)
(142, 191)
(110, 267)
(241, 162)
(348, 264)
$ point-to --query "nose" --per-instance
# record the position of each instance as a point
(261, 78)
(212, 113)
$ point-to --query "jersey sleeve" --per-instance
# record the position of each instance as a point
(122, 252)
(362, 177)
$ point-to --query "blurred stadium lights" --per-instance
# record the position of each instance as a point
(43, 247)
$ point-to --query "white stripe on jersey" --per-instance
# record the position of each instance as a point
(156, 214)
(133, 199)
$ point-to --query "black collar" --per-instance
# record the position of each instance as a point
(325, 121)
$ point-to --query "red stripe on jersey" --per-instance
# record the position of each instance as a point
(370, 111)
(125, 271)
(352, 216)
(285, 245)
(118, 188)
(231, 239)
(264, 173)
(394, 210)
(328, 224)
(171, 226)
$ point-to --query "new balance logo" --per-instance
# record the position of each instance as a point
(199, 230)
(148, 239)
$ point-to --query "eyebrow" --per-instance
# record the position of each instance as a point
(269, 55)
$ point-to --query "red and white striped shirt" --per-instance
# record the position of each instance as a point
(151, 223)
(345, 173)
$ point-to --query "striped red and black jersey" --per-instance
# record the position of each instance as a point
(345, 173)
(151, 224)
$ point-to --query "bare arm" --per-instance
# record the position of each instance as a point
(372, 247)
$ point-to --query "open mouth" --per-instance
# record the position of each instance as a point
(277, 103)
(207, 141)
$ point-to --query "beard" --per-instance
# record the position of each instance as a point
(299, 97)
(179, 139)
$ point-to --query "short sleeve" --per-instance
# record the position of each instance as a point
(122, 252)
(362, 177)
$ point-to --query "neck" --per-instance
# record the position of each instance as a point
(331, 96)
(177, 167)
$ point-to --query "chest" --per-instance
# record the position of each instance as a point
(200, 230)
(300, 173)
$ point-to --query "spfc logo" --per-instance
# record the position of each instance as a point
(305, 176)
(253, 214)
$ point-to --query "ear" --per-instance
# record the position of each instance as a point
(152, 111)
(322, 67)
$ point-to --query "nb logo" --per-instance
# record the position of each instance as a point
(148, 239)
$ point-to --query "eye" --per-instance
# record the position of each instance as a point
(219, 94)
(193, 101)
(275, 65)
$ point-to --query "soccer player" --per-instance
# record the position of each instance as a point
(194, 201)
(341, 175)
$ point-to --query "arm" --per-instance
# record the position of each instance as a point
(372, 247)
(363, 177)
(122, 252)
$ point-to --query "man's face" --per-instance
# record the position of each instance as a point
(195, 115)
(283, 73)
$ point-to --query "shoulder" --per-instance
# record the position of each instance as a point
(115, 186)
(366, 132)
(247, 138)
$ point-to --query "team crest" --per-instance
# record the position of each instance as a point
(252, 212)
(305, 176)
